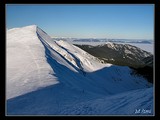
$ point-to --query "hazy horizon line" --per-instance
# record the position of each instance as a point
(102, 38)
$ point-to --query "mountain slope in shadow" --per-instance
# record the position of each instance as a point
(140, 61)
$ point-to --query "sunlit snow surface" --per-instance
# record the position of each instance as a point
(45, 77)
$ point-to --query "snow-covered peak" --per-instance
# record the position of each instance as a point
(127, 49)
(47, 75)
(110, 43)
(30, 27)
(27, 67)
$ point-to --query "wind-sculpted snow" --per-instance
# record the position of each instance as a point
(56, 77)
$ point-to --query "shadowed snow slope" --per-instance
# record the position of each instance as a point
(49, 77)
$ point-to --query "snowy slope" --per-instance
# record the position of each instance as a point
(136, 102)
(44, 76)
(27, 68)
(68, 102)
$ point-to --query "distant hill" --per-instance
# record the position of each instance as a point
(120, 54)
(124, 55)
(139, 41)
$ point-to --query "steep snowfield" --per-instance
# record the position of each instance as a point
(48, 77)
(27, 68)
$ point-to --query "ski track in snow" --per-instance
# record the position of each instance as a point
(83, 86)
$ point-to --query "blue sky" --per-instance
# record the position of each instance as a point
(129, 21)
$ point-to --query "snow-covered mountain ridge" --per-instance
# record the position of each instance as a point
(37, 66)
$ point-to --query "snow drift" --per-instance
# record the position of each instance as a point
(49, 77)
